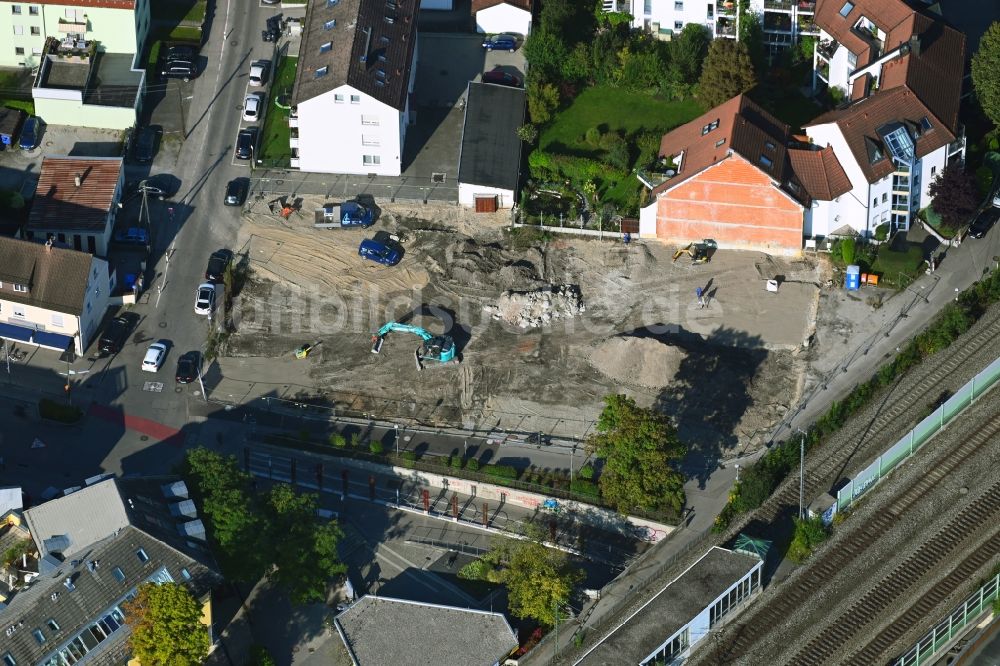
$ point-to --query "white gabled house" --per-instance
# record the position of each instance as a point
(354, 85)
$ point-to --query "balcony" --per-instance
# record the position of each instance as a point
(807, 26)
(806, 7)
(726, 8)
(956, 146)
(823, 70)
(725, 27)
(778, 5)
(294, 160)
(293, 117)
(827, 49)
(777, 23)
(72, 27)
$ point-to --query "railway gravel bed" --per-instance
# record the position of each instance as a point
(909, 551)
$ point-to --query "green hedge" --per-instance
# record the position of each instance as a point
(501, 471)
(55, 411)
(760, 480)
(585, 487)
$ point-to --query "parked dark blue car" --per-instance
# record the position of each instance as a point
(383, 249)
(354, 214)
(30, 133)
(500, 43)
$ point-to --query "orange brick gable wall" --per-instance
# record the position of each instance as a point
(734, 203)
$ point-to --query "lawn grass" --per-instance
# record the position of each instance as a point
(891, 263)
(10, 81)
(26, 105)
(185, 34)
(274, 150)
(613, 109)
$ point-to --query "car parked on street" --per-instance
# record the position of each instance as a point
(501, 42)
(384, 249)
(132, 236)
(145, 144)
(204, 299)
(258, 72)
(245, 141)
(502, 78)
(114, 336)
(217, 264)
(188, 367)
(984, 222)
(251, 107)
(236, 191)
(155, 355)
(31, 133)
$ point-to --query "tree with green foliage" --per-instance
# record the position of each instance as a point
(728, 71)
(687, 53)
(751, 35)
(955, 195)
(809, 534)
(166, 626)
(985, 65)
(539, 580)
(547, 52)
(224, 492)
(528, 133)
(12, 556)
(848, 250)
(303, 546)
(638, 446)
(543, 100)
(806, 48)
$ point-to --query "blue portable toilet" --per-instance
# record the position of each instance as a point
(853, 280)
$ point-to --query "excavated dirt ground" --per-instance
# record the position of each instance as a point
(736, 365)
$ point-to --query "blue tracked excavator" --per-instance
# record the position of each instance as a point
(436, 348)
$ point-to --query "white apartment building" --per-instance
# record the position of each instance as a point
(783, 21)
(353, 87)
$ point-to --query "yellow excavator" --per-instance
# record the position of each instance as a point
(700, 253)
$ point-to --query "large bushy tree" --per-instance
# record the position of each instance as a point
(539, 580)
(688, 52)
(955, 195)
(638, 447)
(985, 69)
(166, 626)
(277, 533)
(728, 71)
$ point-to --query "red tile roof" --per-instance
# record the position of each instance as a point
(479, 5)
(820, 173)
(60, 203)
(743, 127)
(105, 4)
(886, 14)
(859, 123)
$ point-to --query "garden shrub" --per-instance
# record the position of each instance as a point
(882, 232)
(410, 456)
(586, 472)
(585, 487)
(455, 462)
(848, 250)
(338, 440)
(809, 533)
(375, 446)
(501, 471)
(355, 439)
(593, 137)
(472, 465)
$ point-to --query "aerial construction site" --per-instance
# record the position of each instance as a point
(543, 325)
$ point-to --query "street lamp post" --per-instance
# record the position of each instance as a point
(396, 428)
(802, 456)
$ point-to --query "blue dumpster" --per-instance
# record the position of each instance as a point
(853, 280)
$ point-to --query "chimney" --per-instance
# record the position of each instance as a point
(78, 180)
(914, 43)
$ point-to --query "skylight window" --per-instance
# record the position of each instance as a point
(118, 574)
(323, 48)
(53, 625)
(769, 146)
(709, 127)
(9, 660)
(141, 554)
(900, 144)
(322, 71)
(766, 161)
(720, 142)
(332, 3)
(186, 574)
(925, 124)
(39, 636)
(330, 25)
(846, 9)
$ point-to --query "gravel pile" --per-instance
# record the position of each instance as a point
(534, 309)
(641, 361)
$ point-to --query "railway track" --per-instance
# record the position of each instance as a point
(893, 420)
(833, 560)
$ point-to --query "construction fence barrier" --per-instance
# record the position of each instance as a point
(918, 436)
(950, 627)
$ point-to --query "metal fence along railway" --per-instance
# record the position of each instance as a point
(913, 440)
(974, 519)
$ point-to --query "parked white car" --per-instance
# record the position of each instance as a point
(251, 107)
(154, 357)
(204, 299)
(258, 73)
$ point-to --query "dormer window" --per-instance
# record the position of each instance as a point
(846, 9)
(709, 127)
(20, 288)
